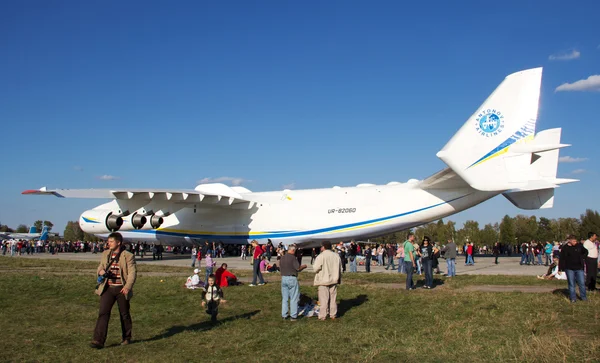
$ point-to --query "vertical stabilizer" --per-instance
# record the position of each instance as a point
(478, 152)
(44, 236)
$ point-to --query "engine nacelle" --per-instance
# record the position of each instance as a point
(138, 220)
(100, 221)
(156, 221)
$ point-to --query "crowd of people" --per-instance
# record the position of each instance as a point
(574, 260)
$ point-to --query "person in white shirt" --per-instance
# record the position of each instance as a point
(591, 261)
(193, 282)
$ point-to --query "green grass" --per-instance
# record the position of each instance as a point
(50, 317)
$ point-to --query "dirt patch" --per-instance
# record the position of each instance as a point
(510, 288)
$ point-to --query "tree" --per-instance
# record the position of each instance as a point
(38, 225)
(544, 230)
(507, 231)
(525, 228)
(22, 229)
(590, 222)
(488, 235)
(439, 234)
(451, 230)
(472, 231)
(49, 225)
(567, 226)
(73, 232)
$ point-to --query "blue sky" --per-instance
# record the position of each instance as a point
(277, 93)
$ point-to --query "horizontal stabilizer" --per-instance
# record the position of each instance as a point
(532, 199)
(533, 148)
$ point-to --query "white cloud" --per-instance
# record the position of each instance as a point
(592, 83)
(578, 171)
(574, 54)
(291, 185)
(224, 179)
(570, 159)
(78, 168)
(108, 177)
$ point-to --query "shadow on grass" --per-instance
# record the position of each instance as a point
(436, 282)
(202, 326)
(561, 292)
(348, 304)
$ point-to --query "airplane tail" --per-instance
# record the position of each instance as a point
(497, 148)
(32, 229)
(44, 236)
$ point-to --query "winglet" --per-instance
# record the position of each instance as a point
(41, 191)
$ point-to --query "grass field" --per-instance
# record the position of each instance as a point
(50, 316)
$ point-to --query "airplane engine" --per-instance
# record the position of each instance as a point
(138, 220)
(156, 221)
(100, 221)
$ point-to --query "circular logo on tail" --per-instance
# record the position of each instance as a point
(489, 122)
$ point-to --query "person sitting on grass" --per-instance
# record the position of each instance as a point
(212, 296)
(264, 263)
(224, 277)
(553, 273)
(193, 282)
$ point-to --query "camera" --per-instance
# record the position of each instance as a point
(101, 278)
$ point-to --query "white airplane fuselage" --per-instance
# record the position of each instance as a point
(496, 151)
(305, 216)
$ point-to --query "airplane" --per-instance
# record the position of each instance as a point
(496, 151)
(28, 236)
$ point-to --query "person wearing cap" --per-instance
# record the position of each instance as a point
(193, 282)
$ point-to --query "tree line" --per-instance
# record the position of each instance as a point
(22, 228)
(510, 231)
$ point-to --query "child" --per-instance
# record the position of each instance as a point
(212, 295)
(209, 265)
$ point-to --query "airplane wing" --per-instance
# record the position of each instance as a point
(444, 179)
(216, 193)
(15, 235)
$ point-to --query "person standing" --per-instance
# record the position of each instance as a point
(352, 252)
(328, 275)
(257, 256)
(409, 260)
(427, 256)
(591, 261)
(290, 289)
(496, 252)
(572, 257)
(450, 256)
(391, 254)
(548, 252)
(116, 275)
(194, 256)
(368, 255)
